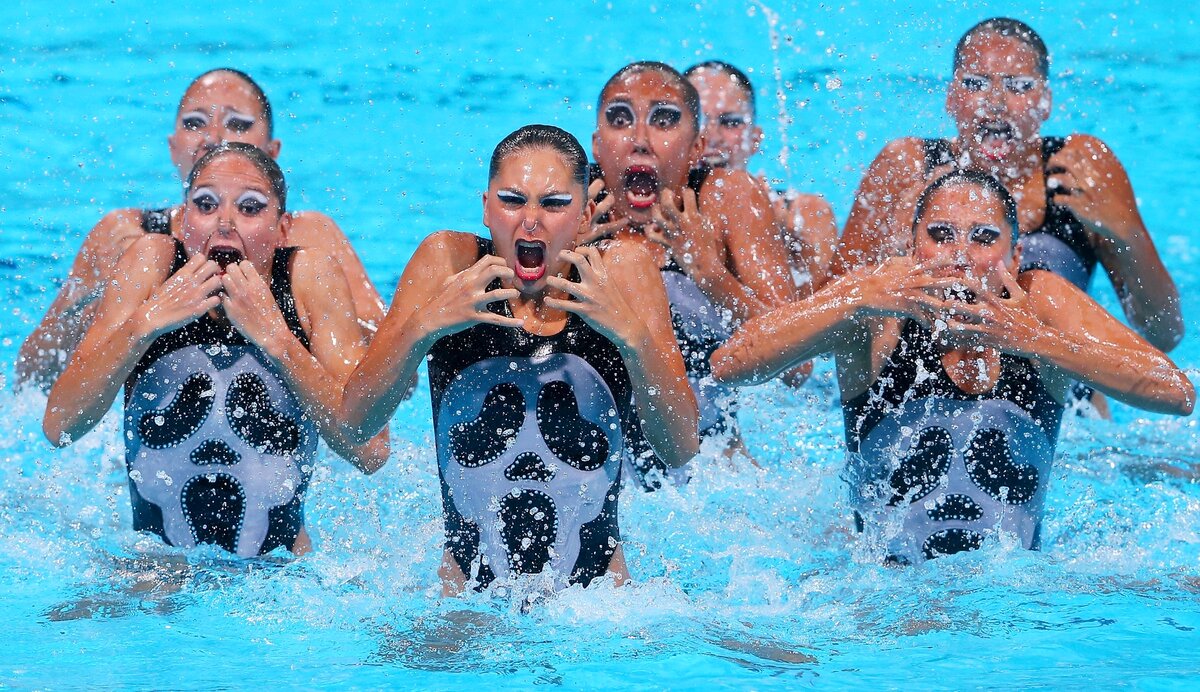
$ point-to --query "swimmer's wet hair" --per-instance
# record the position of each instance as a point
(739, 78)
(1009, 28)
(691, 97)
(264, 163)
(971, 176)
(543, 137)
(259, 94)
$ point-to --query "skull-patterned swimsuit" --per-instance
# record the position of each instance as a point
(217, 448)
(530, 435)
(935, 469)
(700, 328)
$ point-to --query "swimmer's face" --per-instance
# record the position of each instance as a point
(964, 225)
(644, 141)
(219, 107)
(730, 135)
(998, 99)
(232, 211)
(535, 208)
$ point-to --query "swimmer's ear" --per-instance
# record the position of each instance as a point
(596, 144)
(585, 224)
(272, 148)
(483, 198)
(1015, 262)
(756, 138)
(285, 227)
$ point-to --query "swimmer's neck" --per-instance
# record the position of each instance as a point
(1022, 165)
(539, 318)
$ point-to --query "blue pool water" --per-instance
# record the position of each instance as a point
(747, 577)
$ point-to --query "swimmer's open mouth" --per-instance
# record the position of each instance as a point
(225, 256)
(641, 186)
(531, 260)
(995, 138)
(961, 293)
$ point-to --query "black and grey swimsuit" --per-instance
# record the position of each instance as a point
(218, 449)
(531, 432)
(934, 469)
(1061, 244)
(700, 328)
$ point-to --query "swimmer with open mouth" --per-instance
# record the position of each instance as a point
(542, 373)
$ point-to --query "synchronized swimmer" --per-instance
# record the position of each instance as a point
(594, 337)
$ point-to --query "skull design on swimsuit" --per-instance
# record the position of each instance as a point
(952, 471)
(215, 440)
(529, 449)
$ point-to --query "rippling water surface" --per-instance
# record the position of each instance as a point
(747, 576)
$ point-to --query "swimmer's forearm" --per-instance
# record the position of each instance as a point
(380, 382)
(1148, 295)
(664, 400)
(86, 389)
(1143, 378)
(319, 393)
(723, 288)
(789, 335)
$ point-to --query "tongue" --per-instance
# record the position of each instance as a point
(530, 256)
(641, 184)
(995, 144)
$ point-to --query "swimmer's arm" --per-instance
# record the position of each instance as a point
(810, 220)
(663, 396)
(67, 318)
(758, 257)
(315, 229)
(116, 341)
(381, 381)
(326, 310)
(875, 229)
(1083, 341)
(1148, 295)
(767, 345)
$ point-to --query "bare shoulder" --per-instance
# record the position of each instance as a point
(811, 205)
(314, 229)
(450, 251)
(113, 229)
(1054, 299)
(1092, 148)
(628, 259)
(151, 256)
(739, 186)
(904, 155)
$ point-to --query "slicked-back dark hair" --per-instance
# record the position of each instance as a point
(258, 92)
(971, 176)
(543, 137)
(691, 97)
(264, 163)
(739, 78)
(1009, 28)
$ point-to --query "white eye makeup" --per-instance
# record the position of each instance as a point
(194, 120)
(251, 202)
(664, 115)
(510, 197)
(1019, 84)
(985, 234)
(205, 199)
(239, 122)
(557, 200)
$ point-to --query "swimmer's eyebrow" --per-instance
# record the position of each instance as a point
(563, 198)
(207, 190)
(240, 117)
(255, 195)
(511, 196)
(196, 112)
(659, 104)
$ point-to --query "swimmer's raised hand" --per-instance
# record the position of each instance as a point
(691, 237)
(902, 287)
(1089, 180)
(598, 300)
(188, 294)
(251, 308)
(464, 299)
(603, 224)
